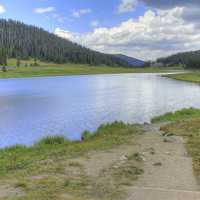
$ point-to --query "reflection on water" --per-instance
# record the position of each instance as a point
(33, 108)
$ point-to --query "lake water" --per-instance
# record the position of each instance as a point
(32, 108)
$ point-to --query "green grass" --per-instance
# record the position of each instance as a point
(41, 173)
(185, 123)
(189, 77)
(183, 114)
(52, 69)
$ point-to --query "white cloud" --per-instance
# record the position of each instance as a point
(127, 6)
(167, 4)
(2, 9)
(155, 34)
(81, 12)
(95, 23)
(44, 10)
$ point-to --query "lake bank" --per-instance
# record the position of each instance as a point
(193, 76)
(114, 162)
(51, 169)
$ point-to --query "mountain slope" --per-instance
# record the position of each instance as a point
(24, 41)
(131, 61)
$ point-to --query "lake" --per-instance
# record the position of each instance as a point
(32, 108)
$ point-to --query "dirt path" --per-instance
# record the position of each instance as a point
(168, 173)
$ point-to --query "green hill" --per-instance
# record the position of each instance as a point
(24, 41)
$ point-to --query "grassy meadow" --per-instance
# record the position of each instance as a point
(27, 69)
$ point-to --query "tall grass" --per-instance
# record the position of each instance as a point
(183, 114)
(52, 140)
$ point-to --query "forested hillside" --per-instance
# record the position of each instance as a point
(24, 41)
(187, 59)
(131, 61)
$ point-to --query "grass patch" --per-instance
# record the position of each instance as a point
(46, 165)
(22, 185)
(52, 140)
(183, 114)
(125, 175)
(190, 77)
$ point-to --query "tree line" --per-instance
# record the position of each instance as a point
(187, 59)
(18, 40)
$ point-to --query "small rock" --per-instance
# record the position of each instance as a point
(152, 151)
(169, 139)
(143, 158)
(123, 158)
(157, 164)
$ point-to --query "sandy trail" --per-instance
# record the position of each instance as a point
(168, 174)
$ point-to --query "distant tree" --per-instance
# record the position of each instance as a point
(147, 64)
(18, 62)
(4, 69)
(187, 60)
(35, 62)
(3, 59)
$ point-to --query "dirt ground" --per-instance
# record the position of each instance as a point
(168, 172)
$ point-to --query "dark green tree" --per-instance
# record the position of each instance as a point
(3, 59)
(18, 62)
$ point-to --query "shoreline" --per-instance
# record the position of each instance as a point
(112, 162)
(190, 77)
(52, 70)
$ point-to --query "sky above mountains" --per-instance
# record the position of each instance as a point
(145, 29)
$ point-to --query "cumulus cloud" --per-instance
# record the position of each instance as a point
(2, 9)
(127, 6)
(166, 4)
(191, 8)
(81, 12)
(44, 10)
(155, 34)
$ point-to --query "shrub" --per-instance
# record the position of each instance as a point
(52, 140)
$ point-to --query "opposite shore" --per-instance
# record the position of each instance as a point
(43, 69)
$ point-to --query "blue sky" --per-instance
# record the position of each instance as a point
(103, 12)
(145, 29)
